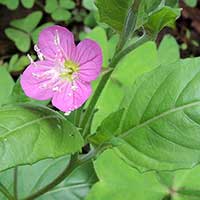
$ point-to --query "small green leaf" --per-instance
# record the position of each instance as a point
(21, 39)
(28, 3)
(36, 32)
(51, 5)
(113, 12)
(165, 17)
(118, 181)
(28, 23)
(191, 3)
(6, 85)
(61, 15)
(11, 4)
(30, 133)
(17, 64)
(89, 4)
(68, 4)
(168, 51)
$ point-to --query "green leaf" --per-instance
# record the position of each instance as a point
(184, 183)
(21, 39)
(89, 4)
(51, 6)
(171, 3)
(36, 32)
(61, 15)
(30, 133)
(165, 17)
(6, 85)
(160, 125)
(168, 51)
(132, 65)
(17, 64)
(28, 23)
(32, 178)
(191, 3)
(28, 3)
(68, 4)
(113, 12)
(119, 181)
(11, 4)
(98, 34)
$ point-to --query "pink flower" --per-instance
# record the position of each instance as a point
(64, 71)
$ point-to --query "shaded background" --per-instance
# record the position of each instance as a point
(187, 31)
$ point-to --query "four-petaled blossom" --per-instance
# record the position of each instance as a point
(64, 71)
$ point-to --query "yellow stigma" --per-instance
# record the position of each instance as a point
(70, 67)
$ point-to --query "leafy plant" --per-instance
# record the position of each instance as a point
(59, 10)
(13, 4)
(142, 117)
(23, 30)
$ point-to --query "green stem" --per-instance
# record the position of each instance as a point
(73, 164)
(4, 190)
(129, 24)
(105, 78)
(15, 183)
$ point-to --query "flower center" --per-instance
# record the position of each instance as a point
(70, 68)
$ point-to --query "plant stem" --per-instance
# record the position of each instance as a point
(105, 78)
(4, 190)
(15, 183)
(73, 164)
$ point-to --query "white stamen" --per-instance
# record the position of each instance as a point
(40, 55)
(56, 88)
(30, 58)
(74, 87)
(57, 38)
(35, 75)
(69, 94)
(67, 113)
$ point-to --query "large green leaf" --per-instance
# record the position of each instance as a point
(30, 133)
(32, 178)
(183, 184)
(6, 85)
(119, 181)
(132, 65)
(160, 126)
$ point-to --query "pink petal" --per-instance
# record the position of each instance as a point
(68, 100)
(89, 57)
(31, 82)
(47, 44)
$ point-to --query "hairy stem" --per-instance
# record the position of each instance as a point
(4, 190)
(105, 78)
(15, 183)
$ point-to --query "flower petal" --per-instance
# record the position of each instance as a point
(68, 100)
(32, 80)
(89, 57)
(56, 42)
